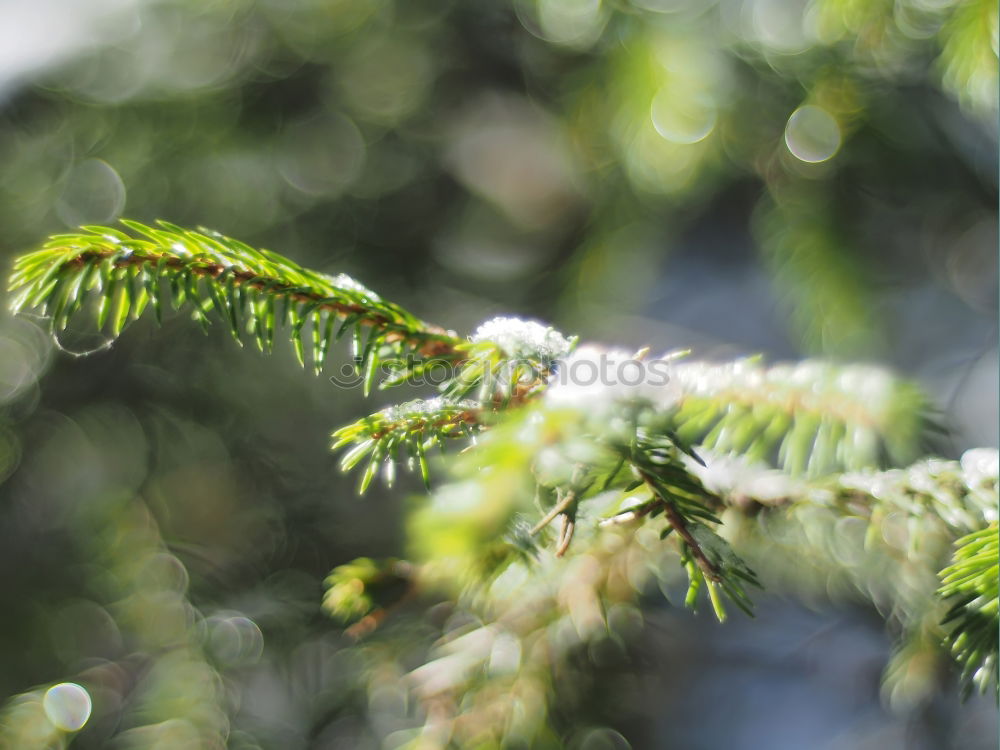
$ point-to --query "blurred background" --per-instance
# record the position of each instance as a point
(791, 177)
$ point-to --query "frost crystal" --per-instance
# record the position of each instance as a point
(345, 282)
(738, 477)
(426, 407)
(594, 377)
(523, 338)
(981, 469)
(810, 384)
(981, 466)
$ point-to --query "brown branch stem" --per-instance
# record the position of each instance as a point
(677, 522)
(430, 341)
(560, 507)
(468, 416)
(567, 526)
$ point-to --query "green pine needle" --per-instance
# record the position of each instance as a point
(239, 285)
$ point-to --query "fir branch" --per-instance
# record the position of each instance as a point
(406, 431)
(885, 534)
(679, 525)
(249, 289)
(586, 447)
(567, 527)
(558, 608)
(507, 361)
(363, 592)
(810, 418)
(559, 509)
(971, 583)
(717, 564)
(577, 457)
(474, 691)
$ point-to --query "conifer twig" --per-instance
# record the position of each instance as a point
(678, 524)
(249, 289)
(559, 508)
(566, 528)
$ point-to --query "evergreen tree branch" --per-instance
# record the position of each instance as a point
(559, 509)
(407, 431)
(809, 418)
(250, 289)
(679, 525)
(577, 463)
(593, 457)
(554, 609)
(885, 535)
(970, 583)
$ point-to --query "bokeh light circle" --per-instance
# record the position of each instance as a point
(22, 359)
(812, 134)
(321, 156)
(93, 193)
(571, 22)
(683, 120)
(234, 639)
(602, 739)
(67, 705)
